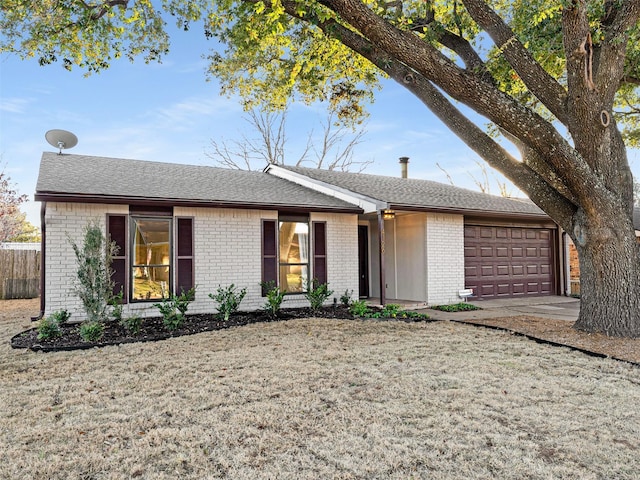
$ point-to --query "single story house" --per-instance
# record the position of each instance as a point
(181, 226)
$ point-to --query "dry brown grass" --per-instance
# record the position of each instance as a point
(319, 399)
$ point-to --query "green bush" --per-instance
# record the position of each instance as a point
(60, 316)
(48, 328)
(174, 308)
(117, 306)
(91, 331)
(317, 293)
(93, 284)
(132, 324)
(275, 297)
(345, 298)
(456, 307)
(228, 300)
(359, 308)
(390, 310)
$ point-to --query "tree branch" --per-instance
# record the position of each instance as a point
(104, 8)
(405, 48)
(539, 82)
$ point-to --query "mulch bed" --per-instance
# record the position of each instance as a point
(153, 328)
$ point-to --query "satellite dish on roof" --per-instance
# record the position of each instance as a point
(61, 139)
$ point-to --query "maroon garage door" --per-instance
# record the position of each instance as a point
(508, 261)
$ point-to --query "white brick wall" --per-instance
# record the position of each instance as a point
(342, 252)
(445, 257)
(64, 221)
(227, 250)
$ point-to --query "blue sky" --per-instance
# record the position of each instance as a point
(168, 112)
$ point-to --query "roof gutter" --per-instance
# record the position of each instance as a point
(181, 202)
(468, 212)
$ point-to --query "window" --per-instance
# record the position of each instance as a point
(286, 256)
(151, 258)
(293, 241)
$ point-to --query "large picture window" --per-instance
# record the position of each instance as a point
(293, 241)
(151, 258)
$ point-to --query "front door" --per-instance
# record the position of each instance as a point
(363, 260)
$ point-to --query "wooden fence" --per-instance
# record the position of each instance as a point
(19, 274)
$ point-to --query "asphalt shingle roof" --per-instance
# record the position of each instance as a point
(420, 194)
(86, 176)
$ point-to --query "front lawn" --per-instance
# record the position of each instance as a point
(318, 398)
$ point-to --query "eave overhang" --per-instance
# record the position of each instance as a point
(182, 202)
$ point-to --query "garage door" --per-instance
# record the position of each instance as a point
(501, 262)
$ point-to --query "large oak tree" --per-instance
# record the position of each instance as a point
(557, 78)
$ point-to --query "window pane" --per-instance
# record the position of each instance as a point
(294, 242)
(151, 259)
(151, 287)
(293, 278)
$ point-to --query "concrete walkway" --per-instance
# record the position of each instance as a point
(554, 307)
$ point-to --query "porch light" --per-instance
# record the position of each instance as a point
(388, 214)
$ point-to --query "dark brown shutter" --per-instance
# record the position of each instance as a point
(320, 252)
(269, 252)
(117, 233)
(184, 255)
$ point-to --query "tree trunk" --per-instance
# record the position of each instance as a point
(609, 257)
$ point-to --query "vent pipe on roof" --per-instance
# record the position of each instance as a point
(404, 167)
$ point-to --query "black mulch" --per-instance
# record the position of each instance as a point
(153, 329)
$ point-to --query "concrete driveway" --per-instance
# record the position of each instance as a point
(554, 307)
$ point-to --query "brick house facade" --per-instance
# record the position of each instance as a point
(182, 226)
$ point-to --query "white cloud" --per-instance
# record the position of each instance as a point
(15, 105)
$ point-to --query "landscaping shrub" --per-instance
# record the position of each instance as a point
(317, 293)
(456, 307)
(48, 328)
(228, 300)
(132, 324)
(359, 308)
(93, 285)
(117, 306)
(275, 297)
(174, 308)
(91, 331)
(345, 298)
(60, 316)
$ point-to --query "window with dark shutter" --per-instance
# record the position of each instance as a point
(269, 252)
(320, 252)
(117, 233)
(184, 255)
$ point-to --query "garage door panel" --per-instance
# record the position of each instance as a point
(487, 290)
(517, 270)
(471, 271)
(487, 271)
(508, 261)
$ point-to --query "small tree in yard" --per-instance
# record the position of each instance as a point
(93, 283)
